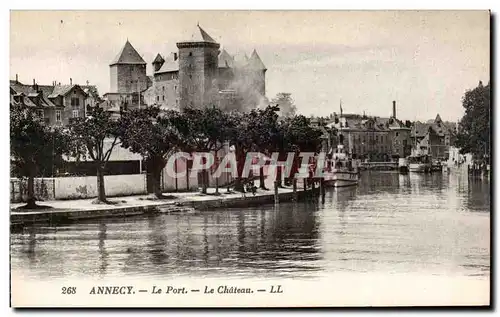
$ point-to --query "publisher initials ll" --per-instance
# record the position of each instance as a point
(276, 289)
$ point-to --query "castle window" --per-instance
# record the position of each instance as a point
(190, 53)
(157, 98)
(75, 114)
(190, 77)
(175, 88)
(163, 88)
(58, 115)
(163, 98)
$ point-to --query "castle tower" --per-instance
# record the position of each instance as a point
(128, 71)
(198, 68)
(257, 70)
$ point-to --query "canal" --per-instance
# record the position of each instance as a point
(435, 224)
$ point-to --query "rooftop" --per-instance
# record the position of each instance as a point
(128, 55)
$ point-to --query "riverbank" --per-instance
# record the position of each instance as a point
(62, 211)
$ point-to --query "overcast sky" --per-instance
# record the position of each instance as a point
(425, 60)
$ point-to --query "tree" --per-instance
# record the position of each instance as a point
(300, 136)
(285, 103)
(256, 132)
(205, 130)
(153, 134)
(474, 128)
(91, 133)
(34, 147)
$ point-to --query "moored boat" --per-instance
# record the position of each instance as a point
(419, 163)
(341, 170)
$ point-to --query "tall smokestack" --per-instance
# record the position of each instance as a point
(394, 109)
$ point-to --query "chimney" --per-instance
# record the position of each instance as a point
(175, 57)
(394, 109)
(71, 81)
(33, 82)
(17, 79)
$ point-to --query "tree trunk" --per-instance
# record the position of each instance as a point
(278, 177)
(101, 193)
(204, 181)
(240, 164)
(157, 183)
(31, 201)
(262, 178)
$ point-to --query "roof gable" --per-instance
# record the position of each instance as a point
(225, 60)
(200, 35)
(255, 62)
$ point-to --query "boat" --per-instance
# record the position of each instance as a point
(403, 165)
(341, 170)
(419, 163)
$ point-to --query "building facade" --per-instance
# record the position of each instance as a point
(434, 138)
(55, 103)
(373, 138)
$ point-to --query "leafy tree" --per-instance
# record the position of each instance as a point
(205, 130)
(474, 127)
(285, 103)
(256, 132)
(300, 136)
(91, 133)
(153, 134)
(35, 148)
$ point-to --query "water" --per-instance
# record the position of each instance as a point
(391, 223)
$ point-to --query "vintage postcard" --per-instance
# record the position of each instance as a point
(250, 158)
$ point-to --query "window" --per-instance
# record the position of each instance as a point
(75, 102)
(175, 88)
(190, 53)
(157, 98)
(40, 113)
(190, 77)
(75, 114)
(163, 88)
(163, 98)
(58, 115)
(177, 102)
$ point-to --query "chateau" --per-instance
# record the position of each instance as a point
(198, 74)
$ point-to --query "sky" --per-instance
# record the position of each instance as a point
(424, 60)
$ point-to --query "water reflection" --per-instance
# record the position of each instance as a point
(437, 223)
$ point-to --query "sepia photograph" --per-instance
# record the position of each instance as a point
(177, 158)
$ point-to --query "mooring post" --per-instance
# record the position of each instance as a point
(295, 198)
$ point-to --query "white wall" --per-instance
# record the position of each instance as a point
(86, 187)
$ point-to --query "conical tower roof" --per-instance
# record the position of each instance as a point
(225, 60)
(254, 62)
(128, 55)
(199, 35)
